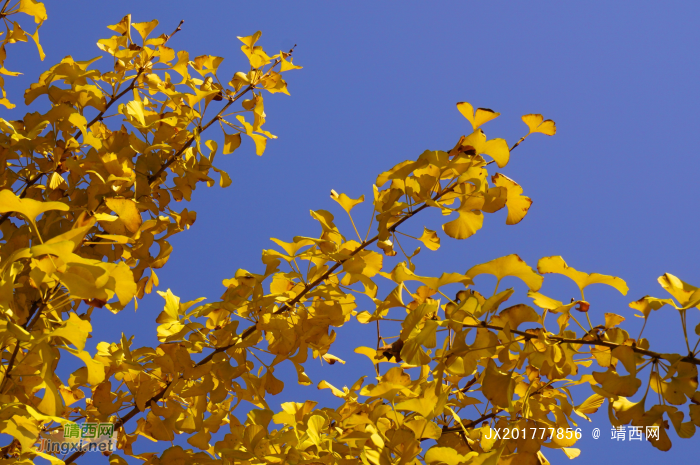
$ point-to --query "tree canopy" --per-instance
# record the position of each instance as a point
(92, 191)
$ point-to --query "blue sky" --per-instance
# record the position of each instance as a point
(615, 191)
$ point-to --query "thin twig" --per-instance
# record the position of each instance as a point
(471, 424)
(35, 306)
(10, 365)
(129, 87)
(177, 154)
(593, 342)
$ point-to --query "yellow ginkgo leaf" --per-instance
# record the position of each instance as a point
(346, 202)
(557, 265)
(29, 208)
(430, 239)
(135, 110)
(74, 330)
(627, 411)
(334, 390)
(332, 359)
(686, 294)
(231, 142)
(571, 452)
(497, 386)
(612, 320)
(145, 29)
(498, 150)
(536, 124)
(183, 59)
(205, 64)
(428, 405)
(590, 405)
(129, 217)
(543, 301)
(315, 429)
(465, 225)
(56, 181)
(287, 65)
(517, 204)
(647, 303)
(225, 180)
(478, 117)
(40, 49)
(424, 429)
(95, 369)
(510, 265)
(366, 262)
(33, 8)
(494, 148)
(495, 198)
(615, 384)
(255, 53)
(516, 315)
(401, 273)
(259, 140)
(293, 247)
(249, 41)
(447, 456)
(121, 27)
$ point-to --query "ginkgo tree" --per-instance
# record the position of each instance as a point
(88, 208)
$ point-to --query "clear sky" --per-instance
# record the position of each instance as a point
(615, 191)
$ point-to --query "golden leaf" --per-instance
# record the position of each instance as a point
(535, 123)
(558, 265)
(346, 202)
(510, 265)
(517, 204)
(478, 117)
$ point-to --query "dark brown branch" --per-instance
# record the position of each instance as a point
(10, 365)
(112, 100)
(32, 312)
(177, 29)
(471, 424)
(593, 342)
(177, 154)
(250, 330)
(289, 305)
(37, 307)
(30, 182)
(469, 384)
(119, 423)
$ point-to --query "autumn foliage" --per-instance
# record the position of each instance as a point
(89, 205)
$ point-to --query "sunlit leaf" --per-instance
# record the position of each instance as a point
(510, 265)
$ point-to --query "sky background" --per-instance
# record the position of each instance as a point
(615, 191)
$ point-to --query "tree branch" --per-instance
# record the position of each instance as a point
(32, 311)
(594, 342)
(10, 365)
(288, 306)
(177, 154)
(134, 411)
(30, 182)
(131, 86)
(471, 424)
